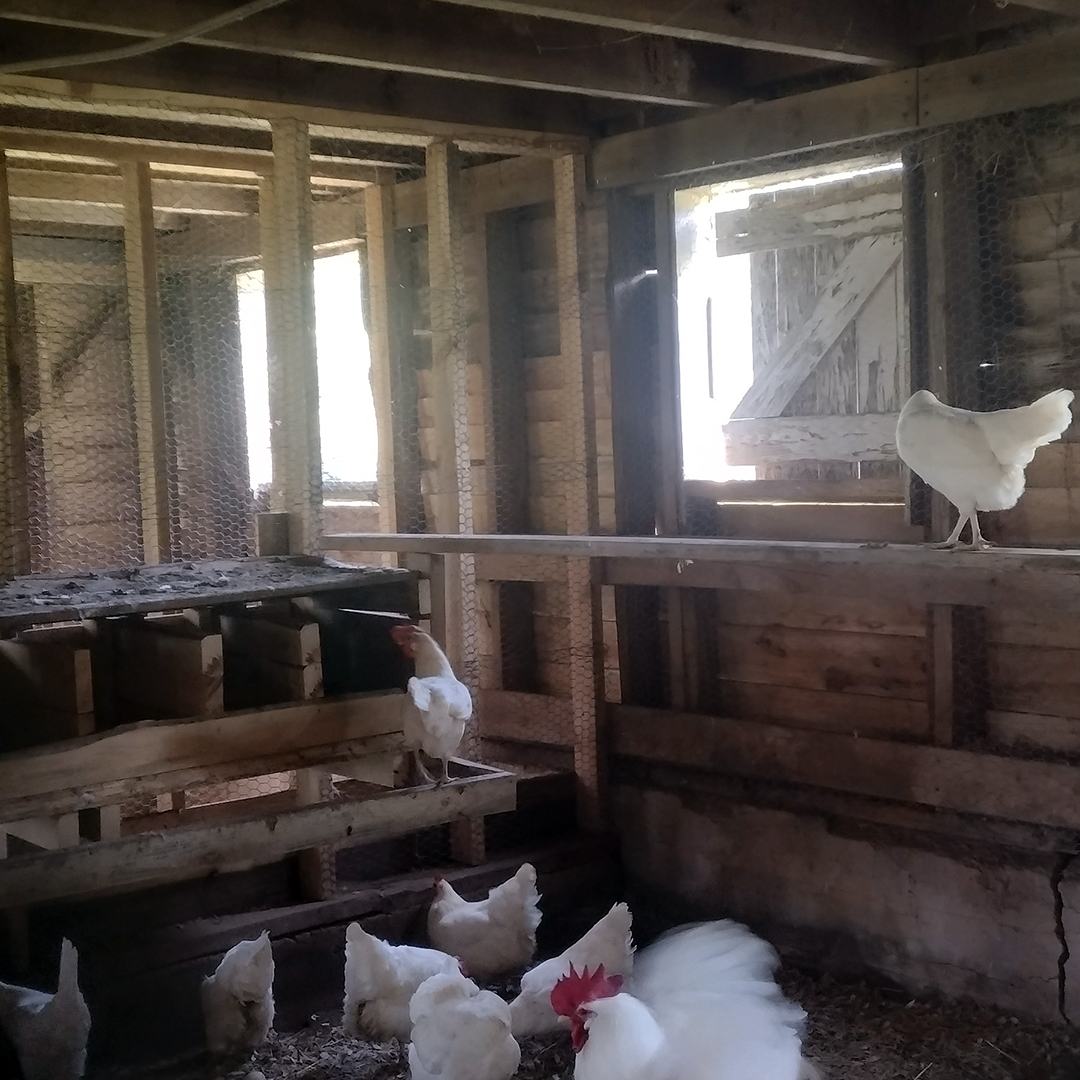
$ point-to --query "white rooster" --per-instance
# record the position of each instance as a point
(491, 937)
(438, 705)
(460, 1032)
(380, 980)
(238, 999)
(702, 1005)
(49, 1031)
(977, 459)
(609, 942)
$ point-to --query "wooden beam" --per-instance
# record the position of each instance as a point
(285, 220)
(420, 108)
(1022, 577)
(14, 506)
(1042, 72)
(164, 755)
(175, 196)
(770, 227)
(382, 279)
(195, 851)
(846, 31)
(446, 43)
(955, 780)
(146, 370)
(839, 301)
(889, 490)
(779, 439)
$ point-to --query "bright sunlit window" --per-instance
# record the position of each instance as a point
(346, 407)
(716, 318)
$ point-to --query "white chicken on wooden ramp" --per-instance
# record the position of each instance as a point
(701, 1004)
(493, 936)
(238, 999)
(49, 1031)
(460, 1032)
(438, 706)
(977, 459)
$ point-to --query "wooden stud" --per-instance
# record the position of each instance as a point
(146, 364)
(580, 489)
(14, 507)
(452, 497)
(943, 685)
(382, 278)
(285, 230)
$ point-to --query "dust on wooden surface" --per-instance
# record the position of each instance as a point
(853, 1032)
(44, 598)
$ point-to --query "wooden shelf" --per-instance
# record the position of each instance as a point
(50, 598)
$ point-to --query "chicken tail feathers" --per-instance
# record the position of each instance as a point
(68, 982)
(1015, 434)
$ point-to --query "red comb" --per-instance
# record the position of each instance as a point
(402, 632)
(574, 990)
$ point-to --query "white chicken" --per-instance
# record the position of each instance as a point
(380, 980)
(493, 936)
(238, 999)
(49, 1031)
(438, 705)
(460, 1032)
(702, 1005)
(977, 459)
(610, 943)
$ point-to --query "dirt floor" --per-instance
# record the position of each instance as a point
(854, 1032)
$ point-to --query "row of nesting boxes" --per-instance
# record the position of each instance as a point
(160, 744)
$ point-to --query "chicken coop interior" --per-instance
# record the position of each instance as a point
(579, 336)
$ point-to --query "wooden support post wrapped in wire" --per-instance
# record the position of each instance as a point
(452, 495)
(580, 486)
(144, 322)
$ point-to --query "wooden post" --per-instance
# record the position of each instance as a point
(670, 505)
(15, 542)
(296, 489)
(146, 369)
(289, 284)
(942, 684)
(452, 499)
(580, 440)
(382, 275)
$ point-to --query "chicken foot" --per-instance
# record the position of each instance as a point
(978, 541)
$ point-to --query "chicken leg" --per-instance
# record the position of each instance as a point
(445, 772)
(417, 775)
(978, 541)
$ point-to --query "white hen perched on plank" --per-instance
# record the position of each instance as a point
(977, 459)
(439, 705)
(49, 1031)
(608, 942)
(460, 1032)
(238, 999)
(492, 936)
(380, 980)
(702, 1005)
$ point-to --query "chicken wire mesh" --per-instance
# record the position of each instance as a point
(479, 342)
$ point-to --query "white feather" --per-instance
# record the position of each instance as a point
(460, 1032)
(49, 1031)
(608, 942)
(701, 1004)
(238, 999)
(380, 980)
(438, 705)
(977, 459)
(492, 936)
